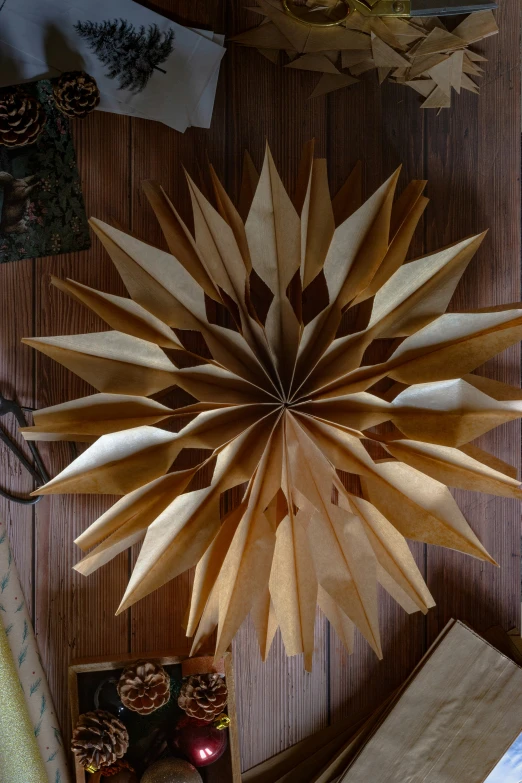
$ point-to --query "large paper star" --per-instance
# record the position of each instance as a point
(284, 396)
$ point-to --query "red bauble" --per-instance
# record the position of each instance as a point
(201, 743)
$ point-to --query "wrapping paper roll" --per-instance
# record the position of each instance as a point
(20, 759)
(16, 621)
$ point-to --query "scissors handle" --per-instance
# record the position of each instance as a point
(38, 472)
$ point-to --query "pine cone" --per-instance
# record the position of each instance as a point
(99, 739)
(203, 696)
(22, 117)
(76, 93)
(144, 687)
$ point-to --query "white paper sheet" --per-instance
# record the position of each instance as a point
(42, 41)
(509, 768)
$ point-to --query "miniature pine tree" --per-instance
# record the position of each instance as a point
(130, 54)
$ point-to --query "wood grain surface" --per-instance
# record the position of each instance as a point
(471, 157)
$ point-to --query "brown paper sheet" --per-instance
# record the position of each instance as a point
(454, 720)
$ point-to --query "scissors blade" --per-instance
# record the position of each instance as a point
(447, 7)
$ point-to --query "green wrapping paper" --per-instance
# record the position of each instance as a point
(20, 761)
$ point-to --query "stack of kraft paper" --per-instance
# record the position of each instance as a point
(456, 719)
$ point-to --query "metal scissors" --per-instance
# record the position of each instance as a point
(38, 471)
(336, 13)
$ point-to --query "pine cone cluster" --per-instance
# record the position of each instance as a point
(22, 117)
(203, 696)
(76, 93)
(99, 739)
(144, 687)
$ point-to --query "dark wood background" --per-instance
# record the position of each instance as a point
(470, 155)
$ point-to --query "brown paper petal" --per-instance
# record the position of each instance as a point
(158, 282)
(112, 362)
(177, 539)
(317, 222)
(247, 564)
(358, 247)
(394, 556)
(343, 626)
(179, 239)
(449, 413)
(335, 537)
(95, 415)
(421, 508)
(274, 236)
(126, 523)
(452, 467)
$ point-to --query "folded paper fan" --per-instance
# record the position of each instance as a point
(284, 397)
(418, 52)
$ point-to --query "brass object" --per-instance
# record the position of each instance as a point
(316, 17)
(222, 721)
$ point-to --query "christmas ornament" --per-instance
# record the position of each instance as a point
(289, 397)
(156, 746)
(203, 696)
(99, 739)
(106, 697)
(201, 743)
(342, 44)
(76, 93)
(171, 771)
(22, 117)
(144, 687)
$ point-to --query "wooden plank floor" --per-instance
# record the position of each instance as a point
(470, 155)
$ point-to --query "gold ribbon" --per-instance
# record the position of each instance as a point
(20, 760)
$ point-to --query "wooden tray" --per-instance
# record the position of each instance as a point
(84, 674)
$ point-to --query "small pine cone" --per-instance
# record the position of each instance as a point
(99, 739)
(203, 696)
(144, 687)
(76, 93)
(22, 117)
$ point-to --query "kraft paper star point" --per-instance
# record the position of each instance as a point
(282, 398)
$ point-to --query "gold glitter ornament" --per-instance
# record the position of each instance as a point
(20, 761)
(171, 771)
